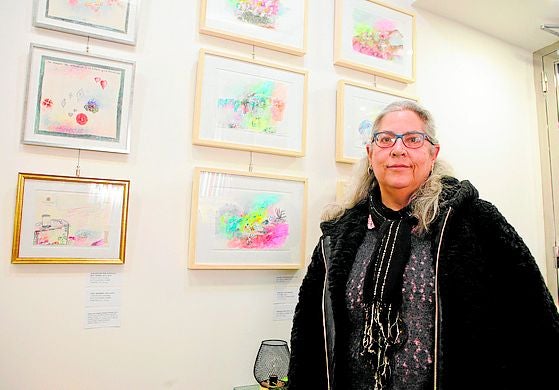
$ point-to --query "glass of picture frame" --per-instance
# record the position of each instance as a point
(111, 20)
(274, 24)
(376, 38)
(70, 220)
(251, 105)
(357, 106)
(78, 100)
(246, 220)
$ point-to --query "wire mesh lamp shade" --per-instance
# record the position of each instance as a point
(272, 364)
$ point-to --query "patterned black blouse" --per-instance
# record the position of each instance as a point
(412, 364)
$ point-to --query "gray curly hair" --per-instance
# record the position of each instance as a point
(425, 200)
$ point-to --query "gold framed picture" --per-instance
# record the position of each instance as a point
(70, 220)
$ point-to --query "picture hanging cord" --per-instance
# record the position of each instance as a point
(250, 163)
(253, 54)
(375, 80)
(87, 45)
(78, 166)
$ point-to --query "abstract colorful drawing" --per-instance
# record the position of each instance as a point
(263, 13)
(110, 15)
(246, 220)
(376, 36)
(258, 107)
(261, 225)
(79, 99)
(365, 131)
(71, 219)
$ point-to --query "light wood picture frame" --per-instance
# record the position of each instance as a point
(273, 24)
(78, 100)
(376, 38)
(110, 20)
(251, 105)
(357, 106)
(247, 220)
(70, 220)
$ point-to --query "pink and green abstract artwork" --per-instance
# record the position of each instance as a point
(261, 225)
(377, 37)
(263, 13)
(111, 15)
(258, 107)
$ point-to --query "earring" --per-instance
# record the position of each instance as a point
(369, 170)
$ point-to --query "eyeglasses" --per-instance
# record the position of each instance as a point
(412, 139)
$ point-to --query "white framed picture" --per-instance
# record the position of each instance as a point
(250, 105)
(246, 220)
(111, 20)
(78, 100)
(357, 106)
(376, 38)
(274, 24)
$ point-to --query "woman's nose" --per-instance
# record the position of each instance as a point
(399, 148)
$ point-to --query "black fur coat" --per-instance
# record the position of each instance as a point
(498, 327)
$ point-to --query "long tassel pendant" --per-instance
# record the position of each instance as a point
(382, 331)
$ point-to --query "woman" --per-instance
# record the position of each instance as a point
(419, 284)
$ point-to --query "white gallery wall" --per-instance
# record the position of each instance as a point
(199, 329)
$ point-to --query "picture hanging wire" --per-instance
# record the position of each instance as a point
(78, 166)
(375, 80)
(253, 54)
(87, 45)
(250, 163)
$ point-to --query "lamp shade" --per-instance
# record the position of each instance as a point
(272, 364)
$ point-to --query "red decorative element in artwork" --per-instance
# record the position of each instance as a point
(81, 119)
(47, 103)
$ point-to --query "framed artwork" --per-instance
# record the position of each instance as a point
(111, 20)
(375, 38)
(357, 106)
(79, 101)
(242, 220)
(70, 220)
(249, 105)
(274, 24)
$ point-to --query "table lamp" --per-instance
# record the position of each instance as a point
(272, 364)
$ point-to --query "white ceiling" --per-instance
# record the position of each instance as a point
(515, 21)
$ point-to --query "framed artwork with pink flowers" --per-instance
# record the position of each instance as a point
(247, 220)
(375, 38)
(274, 24)
(78, 100)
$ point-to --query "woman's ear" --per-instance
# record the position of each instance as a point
(369, 148)
(436, 149)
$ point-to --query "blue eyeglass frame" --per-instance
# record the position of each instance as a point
(401, 136)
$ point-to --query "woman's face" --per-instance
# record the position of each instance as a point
(398, 169)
